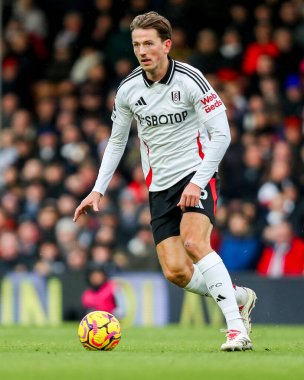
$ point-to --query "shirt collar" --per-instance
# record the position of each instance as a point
(166, 79)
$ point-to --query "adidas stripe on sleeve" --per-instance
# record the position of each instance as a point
(206, 101)
(209, 109)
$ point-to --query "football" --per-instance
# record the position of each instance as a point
(99, 330)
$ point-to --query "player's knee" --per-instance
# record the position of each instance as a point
(196, 248)
(191, 245)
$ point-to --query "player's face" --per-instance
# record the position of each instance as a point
(151, 52)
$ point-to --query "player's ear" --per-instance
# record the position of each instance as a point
(167, 44)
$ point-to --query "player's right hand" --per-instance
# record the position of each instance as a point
(92, 200)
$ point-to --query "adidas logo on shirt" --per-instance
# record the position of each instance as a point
(141, 102)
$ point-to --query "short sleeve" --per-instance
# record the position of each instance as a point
(121, 114)
(205, 100)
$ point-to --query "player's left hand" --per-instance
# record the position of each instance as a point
(190, 196)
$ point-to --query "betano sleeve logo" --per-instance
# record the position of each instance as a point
(209, 104)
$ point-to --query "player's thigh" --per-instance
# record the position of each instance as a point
(195, 230)
(173, 258)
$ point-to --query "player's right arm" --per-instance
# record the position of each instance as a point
(122, 118)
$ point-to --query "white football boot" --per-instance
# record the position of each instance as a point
(236, 341)
(246, 309)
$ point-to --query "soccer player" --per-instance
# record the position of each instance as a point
(184, 134)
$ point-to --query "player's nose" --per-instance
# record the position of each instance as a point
(141, 50)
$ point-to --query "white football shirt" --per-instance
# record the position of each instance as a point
(171, 117)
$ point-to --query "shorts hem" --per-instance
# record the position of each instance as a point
(199, 211)
(164, 237)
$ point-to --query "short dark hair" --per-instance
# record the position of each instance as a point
(153, 20)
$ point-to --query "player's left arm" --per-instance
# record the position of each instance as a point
(218, 129)
(211, 113)
(219, 132)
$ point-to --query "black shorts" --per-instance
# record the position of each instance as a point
(166, 216)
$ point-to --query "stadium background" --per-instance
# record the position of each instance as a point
(61, 63)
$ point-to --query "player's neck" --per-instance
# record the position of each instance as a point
(160, 72)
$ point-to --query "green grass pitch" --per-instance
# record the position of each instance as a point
(170, 353)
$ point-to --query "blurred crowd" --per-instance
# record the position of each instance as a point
(59, 75)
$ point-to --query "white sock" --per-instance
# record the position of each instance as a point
(221, 289)
(197, 283)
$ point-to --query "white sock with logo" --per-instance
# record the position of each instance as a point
(198, 285)
(221, 289)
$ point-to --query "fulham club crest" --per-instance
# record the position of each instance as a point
(175, 95)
